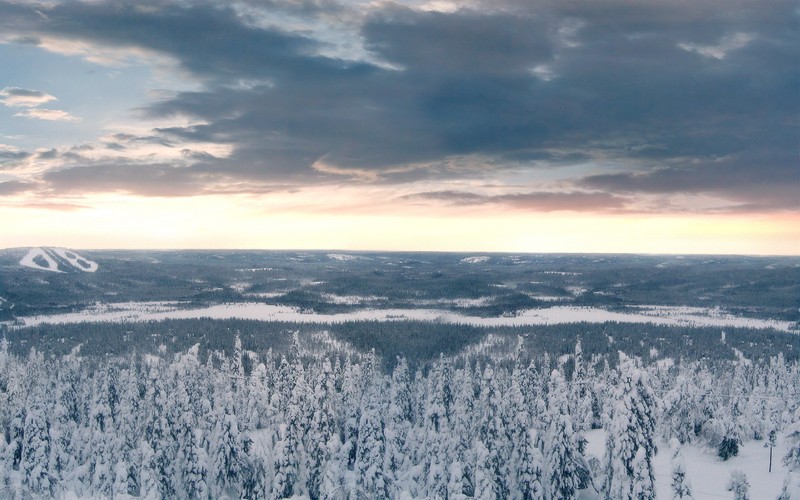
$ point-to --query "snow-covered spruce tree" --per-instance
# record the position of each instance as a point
(35, 460)
(227, 451)
(529, 469)
(561, 453)
(398, 427)
(739, 485)
(160, 449)
(99, 436)
(492, 434)
(679, 482)
(321, 428)
(126, 427)
(191, 470)
(371, 480)
(580, 401)
(724, 433)
(285, 464)
(462, 467)
(435, 429)
(517, 414)
(632, 426)
(350, 403)
(66, 418)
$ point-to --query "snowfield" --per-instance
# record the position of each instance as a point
(657, 315)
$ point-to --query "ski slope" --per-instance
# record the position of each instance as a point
(47, 259)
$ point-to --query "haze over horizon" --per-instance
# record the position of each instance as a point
(609, 126)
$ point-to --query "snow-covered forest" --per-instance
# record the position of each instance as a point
(263, 425)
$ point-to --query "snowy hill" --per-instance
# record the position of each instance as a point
(57, 260)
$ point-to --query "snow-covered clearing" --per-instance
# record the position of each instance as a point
(350, 300)
(147, 311)
(30, 261)
(548, 298)
(714, 316)
(341, 257)
(76, 260)
(459, 302)
(475, 260)
(708, 474)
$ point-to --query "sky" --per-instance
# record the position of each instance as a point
(638, 126)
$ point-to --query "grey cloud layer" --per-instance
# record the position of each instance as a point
(609, 82)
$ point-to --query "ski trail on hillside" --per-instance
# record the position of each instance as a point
(33, 253)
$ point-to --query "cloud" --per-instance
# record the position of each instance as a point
(721, 49)
(660, 98)
(143, 179)
(539, 201)
(9, 188)
(17, 97)
(59, 207)
(55, 115)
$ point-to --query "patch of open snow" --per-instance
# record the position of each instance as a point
(740, 356)
(76, 260)
(665, 364)
(240, 287)
(475, 260)
(33, 253)
(549, 298)
(707, 474)
(350, 300)
(708, 316)
(341, 256)
(458, 302)
(265, 295)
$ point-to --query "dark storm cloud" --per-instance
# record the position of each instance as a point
(456, 44)
(690, 97)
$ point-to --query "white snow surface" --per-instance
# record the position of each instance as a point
(475, 260)
(28, 261)
(72, 258)
(147, 311)
(77, 261)
(341, 256)
(708, 475)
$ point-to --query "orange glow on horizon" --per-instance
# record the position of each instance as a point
(242, 222)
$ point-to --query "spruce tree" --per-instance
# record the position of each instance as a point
(632, 428)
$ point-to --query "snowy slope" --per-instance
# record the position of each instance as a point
(76, 260)
(48, 259)
(38, 258)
